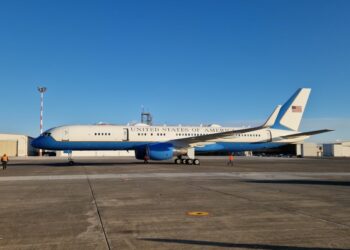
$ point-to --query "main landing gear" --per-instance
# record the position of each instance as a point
(187, 161)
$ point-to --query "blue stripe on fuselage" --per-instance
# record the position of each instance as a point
(47, 142)
(236, 146)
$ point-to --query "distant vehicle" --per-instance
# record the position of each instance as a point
(182, 142)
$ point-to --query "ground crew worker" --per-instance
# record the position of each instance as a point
(230, 160)
(145, 159)
(4, 160)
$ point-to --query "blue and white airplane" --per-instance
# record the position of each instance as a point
(182, 142)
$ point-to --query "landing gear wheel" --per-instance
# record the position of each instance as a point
(183, 161)
(177, 161)
(196, 162)
(70, 159)
(189, 161)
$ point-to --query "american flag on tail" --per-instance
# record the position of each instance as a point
(297, 109)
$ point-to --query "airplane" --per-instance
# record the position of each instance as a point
(181, 143)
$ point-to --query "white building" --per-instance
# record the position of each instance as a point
(16, 145)
(308, 149)
(341, 149)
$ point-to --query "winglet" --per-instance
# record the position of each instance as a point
(272, 118)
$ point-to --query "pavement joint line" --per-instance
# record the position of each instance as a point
(279, 207)
(98, 210)
(235, 175)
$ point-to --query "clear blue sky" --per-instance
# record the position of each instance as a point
(187, 62)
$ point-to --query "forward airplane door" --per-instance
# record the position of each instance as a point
(65, 136)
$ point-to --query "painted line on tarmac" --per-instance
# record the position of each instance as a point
(223, 175)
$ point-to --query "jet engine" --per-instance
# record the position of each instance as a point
(158, 151)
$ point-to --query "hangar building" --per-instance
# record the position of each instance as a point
(309, 149)
(341, 149)
(16, 145)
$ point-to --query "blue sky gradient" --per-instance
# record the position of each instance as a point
(187, 62)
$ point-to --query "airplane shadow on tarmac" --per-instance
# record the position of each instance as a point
(302, 182)
(237, 245)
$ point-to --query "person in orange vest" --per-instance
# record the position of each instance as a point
(145, 159)
(230, 160)
(4, 160)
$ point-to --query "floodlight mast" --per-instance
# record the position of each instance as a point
(42, 90)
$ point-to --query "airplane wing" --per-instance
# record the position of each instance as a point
(205, 139)
(315, 132)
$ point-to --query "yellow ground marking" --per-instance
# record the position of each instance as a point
(197, 213)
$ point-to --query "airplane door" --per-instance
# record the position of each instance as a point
(65, 136)
(268, 136)
(125, 134)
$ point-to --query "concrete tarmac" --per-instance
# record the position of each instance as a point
(120, 203)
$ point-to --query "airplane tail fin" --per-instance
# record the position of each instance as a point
(290, 114)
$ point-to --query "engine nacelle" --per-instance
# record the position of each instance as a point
(159, 151)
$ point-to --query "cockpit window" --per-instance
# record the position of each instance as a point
(46, 134)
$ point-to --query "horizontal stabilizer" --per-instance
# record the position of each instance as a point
(315, 132)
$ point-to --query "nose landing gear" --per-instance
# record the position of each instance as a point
(70, 159)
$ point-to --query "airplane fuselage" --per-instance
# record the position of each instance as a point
(117, 137)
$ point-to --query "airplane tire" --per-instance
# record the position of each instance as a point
(189, 161)
(196, 162)
(184, 161)
(177, 161)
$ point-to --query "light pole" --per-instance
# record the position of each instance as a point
(42, 90)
